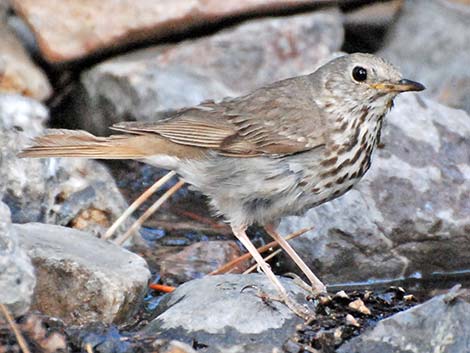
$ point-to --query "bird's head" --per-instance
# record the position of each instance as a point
(363, 80)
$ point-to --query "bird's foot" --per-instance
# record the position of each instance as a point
(312, 289)
(300, 310)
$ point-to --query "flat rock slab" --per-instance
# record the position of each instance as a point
(410, 213)
(68, 30)
(17, 279)
(216, 313)
(231, 62)
(80, 278)
(438, 325)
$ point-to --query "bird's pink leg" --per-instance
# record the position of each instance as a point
(240, 233)
(317, 285)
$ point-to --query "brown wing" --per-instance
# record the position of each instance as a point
(279, 119)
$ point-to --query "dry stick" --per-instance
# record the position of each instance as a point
(231, 264)
(151, 210)
(270, 256)
(139, 201)
(15, 329)
(162, 288)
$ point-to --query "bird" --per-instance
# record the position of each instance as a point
(278, 151)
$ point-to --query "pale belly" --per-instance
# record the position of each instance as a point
(262, 190)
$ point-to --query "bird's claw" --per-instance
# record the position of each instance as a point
(314, 291)
(298, 309)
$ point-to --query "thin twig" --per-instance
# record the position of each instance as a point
(151, 210)
(270, 256)
(231, 264)
(200, 219)
(162, 288)
(19, 337)
(139, 201)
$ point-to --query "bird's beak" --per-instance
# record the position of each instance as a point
(400, 86)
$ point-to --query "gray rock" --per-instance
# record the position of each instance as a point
(18, 73)
(410, 213)
(213, 311)
(17, 279)
(73, 192)
(438, 325)
(229, 63)
(434, 54)
(80, 278)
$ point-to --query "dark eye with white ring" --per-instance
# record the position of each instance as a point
(359, 74)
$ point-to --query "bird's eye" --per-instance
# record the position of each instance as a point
(359, 74)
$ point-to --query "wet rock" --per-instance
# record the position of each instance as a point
(68, 30)
(17, 279)
(409, 214)
(229, 63)
(213, 314)
(81, 279)
(73, 192)
(18, 73)
(437, 325)
(199, 259)
(439, 61)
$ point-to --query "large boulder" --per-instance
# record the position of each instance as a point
(410, 213)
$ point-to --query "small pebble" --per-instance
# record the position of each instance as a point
(338, 334)
(324, 300)
(351, 321)
(409, 298)
(358, 305)
(367, 294)
(341, 294)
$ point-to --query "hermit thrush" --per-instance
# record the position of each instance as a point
(278, 151)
